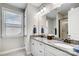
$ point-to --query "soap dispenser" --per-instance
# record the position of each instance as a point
(42, 30)
(34, 30)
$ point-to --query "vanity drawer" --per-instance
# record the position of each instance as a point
(47, 53)
(41, 45)
(41, 53)
(41, 49)
(55, 51)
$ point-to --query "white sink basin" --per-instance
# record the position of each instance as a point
(63, 45)
(58, 43)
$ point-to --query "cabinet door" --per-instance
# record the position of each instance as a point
(41, 49)
(34, 47)
(47, 53)
(55, 51)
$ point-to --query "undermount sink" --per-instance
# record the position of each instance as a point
(63, 45)
(60, 43)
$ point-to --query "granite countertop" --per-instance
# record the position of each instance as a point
(59, 45)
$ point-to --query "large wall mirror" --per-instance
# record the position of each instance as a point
(58, 21)
(51, 19)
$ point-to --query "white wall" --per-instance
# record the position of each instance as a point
(73, 23)
(42, 23)
(31, 20)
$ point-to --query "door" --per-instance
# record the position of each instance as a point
(64, 28)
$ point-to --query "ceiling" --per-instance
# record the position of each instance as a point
(19, 5)
(23, 5)
(52, 14)
(63, 9)
(66, 7)
(36, 4)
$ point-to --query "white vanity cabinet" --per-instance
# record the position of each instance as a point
(41, 49)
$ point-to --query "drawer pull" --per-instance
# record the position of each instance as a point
(40, 44)
(40, 51)
(32, 43)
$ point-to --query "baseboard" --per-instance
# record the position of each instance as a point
(12, 50)
(28, 53)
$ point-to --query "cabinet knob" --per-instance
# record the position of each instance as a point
(40, 51)
(32, 43)
(40, 44)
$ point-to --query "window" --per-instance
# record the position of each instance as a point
(12, 23)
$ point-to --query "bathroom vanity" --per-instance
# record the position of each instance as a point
(43, 47)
